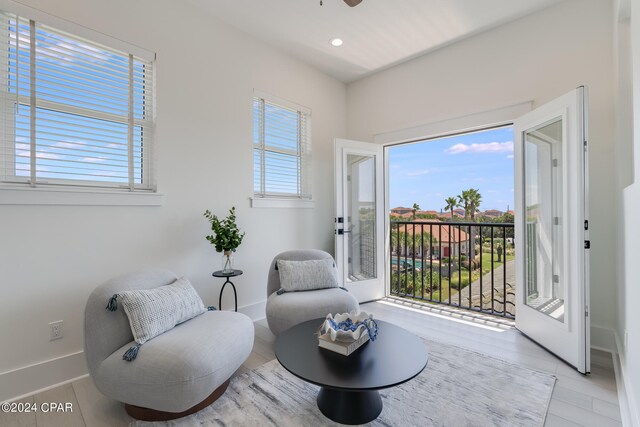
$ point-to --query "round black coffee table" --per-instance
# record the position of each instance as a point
(350, 384)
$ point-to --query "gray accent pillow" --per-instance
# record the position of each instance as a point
(154, 311)
(307, 275)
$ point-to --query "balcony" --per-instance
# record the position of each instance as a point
(462, 264)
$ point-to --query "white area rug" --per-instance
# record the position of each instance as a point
(457, 388)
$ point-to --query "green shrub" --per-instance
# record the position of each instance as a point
(403, 282)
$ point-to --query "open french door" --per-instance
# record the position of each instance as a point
(360, 218)
(551, 196)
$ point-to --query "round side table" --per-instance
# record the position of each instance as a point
(227, 276)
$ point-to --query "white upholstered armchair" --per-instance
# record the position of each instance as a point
(176, 373)
(286, 309)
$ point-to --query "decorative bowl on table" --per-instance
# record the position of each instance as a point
(348, 327)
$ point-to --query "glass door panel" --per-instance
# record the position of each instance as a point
(545, 290)
(360, 227)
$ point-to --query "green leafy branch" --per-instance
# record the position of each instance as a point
(226, 234)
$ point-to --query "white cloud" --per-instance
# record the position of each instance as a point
(69, 143)
(488, 147)
(72, 49)
(510, 156)
(93, 160)
(23, 150)
(418, 173)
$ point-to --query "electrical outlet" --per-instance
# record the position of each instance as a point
(57, 331)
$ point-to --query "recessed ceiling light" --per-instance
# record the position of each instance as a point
(336, 42)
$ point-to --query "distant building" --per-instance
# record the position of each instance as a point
(401, 211)
(402, 217)
(447, 240)
(427, 213)
(457, 213)
(492, 213)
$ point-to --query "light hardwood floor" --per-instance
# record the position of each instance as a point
(577, 400)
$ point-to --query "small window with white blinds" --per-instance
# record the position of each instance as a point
(74, 112)
(281, 148)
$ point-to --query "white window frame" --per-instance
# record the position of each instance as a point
(303, 199)
(18, 191)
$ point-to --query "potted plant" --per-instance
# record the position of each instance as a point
(226, 237)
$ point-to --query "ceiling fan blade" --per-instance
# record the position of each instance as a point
(353, 3)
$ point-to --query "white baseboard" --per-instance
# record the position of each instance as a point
(608, 340)
(32, 379)
(256, 311)
(628, 410)
(41, 376)
(603, 339)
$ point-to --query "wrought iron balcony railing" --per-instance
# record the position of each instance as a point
(463, 264)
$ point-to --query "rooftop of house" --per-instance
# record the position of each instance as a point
(442, 233)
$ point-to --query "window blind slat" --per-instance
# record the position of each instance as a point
(83, 150)
(70, 87)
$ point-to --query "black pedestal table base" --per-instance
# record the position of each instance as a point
(235, 295)
(349, 407)
(228, 276)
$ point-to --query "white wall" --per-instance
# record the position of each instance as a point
(539, 58)
(52, 257)
(628, 200)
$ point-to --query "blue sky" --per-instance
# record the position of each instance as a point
(428, 172)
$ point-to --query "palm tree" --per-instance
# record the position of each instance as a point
(416, 207)
(463, 202)
(475, 198)
(425, 240)
(471, 200)
(415, 243)
(397, 238)
(452, 203)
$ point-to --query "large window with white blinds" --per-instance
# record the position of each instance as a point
(74, 112)
(281, 148)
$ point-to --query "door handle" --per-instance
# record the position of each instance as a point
(341, 231)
